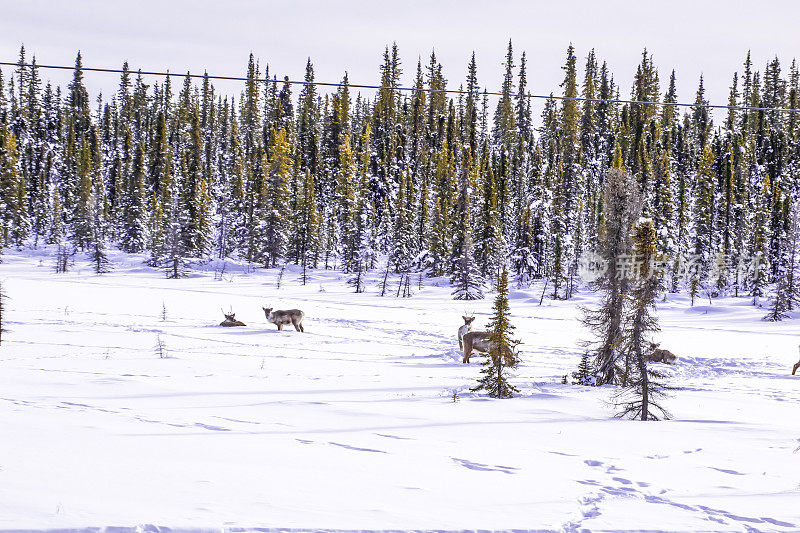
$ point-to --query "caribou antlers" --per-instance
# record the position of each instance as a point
(230, 320)
(466, 328)
(284, 317)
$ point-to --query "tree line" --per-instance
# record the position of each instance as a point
(454, 185)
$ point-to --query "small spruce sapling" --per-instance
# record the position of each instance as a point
(357, 281)
(160, 348)
(64, 258)
(495, 371)
(584, 374)
(99, 258)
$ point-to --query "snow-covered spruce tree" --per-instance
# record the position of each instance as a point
(82, 212)
(64, 257)
(155, 231)
(195, 194)
(489, 238)
(273, 207)
(496, 367)
(785, 292)
(133, 215)
(306, 226)
(779, 306)
(358, 278)
(348, 205)
(442, 226)
(705, 243)
(681, 223)
(233, 222)
(402, 254)
(99, 257)
(584, 375)
(643, 388)
(176, 253)
(792, 243)
(759, 271)
(12, 191)
(327, 248)
(204, 223)
(622, 204)
(465, 277)
(97, 246)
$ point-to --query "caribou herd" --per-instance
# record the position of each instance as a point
(469, 341)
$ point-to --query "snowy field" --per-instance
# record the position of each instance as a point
(353, 424)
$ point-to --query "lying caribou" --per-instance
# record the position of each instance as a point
(660, 355)
(463, 330)
(230, 320)
(479, 341)
(796, 366)
(282, 318)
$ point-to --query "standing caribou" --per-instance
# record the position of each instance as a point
(479, 341)
(463, 330)
(283, 318)
(796, 366)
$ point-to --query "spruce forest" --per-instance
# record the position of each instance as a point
(446, 184)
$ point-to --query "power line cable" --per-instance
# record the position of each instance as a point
(398, 88)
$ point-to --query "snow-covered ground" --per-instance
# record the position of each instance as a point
(353, 424)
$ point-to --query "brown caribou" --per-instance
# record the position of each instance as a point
(463, 330)
(479, 342)
(283, 318)
(230, 320)
(660, 355)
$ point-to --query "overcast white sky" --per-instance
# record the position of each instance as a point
(689, 36)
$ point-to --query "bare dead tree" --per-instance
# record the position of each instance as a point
(385, 284)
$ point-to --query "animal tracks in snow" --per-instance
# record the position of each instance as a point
(485, 468)
(619, 487)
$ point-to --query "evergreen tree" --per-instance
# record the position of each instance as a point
(77, 105)
(134, 226)
(306, 225)
(82, 214)
(389, 173)
(489, 242)
(505, 129)
(466, 276)
(402, 252)
(643, 388)
(622, 205)
(502, 357)
(273, 205)
(176, 251)
(13, 192)
(705, 245)
(584, 375)
(348, 205)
